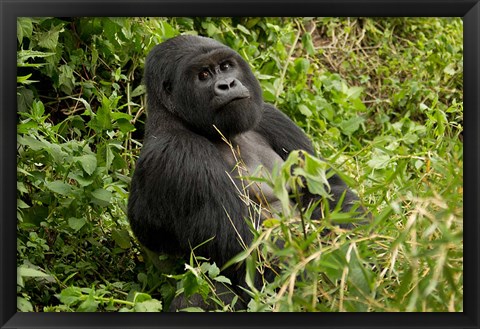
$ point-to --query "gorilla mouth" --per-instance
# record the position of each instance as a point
(237, 99)
(232, 101)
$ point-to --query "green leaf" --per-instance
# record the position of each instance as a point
(24, 103)
(250, 272)
(70, 295)
(222, 279)
(121, 115)
(167, 30)
(333, 264)
(21, 204)
(122, 238)
(58, 155)
(449, 69)
(141, 297)
(264, 76)
(88, 108)
(101, 197)
(31, 272)
(307, 42)
(76, 223)
(82, 181)
(193, 309)
(361, 282)
(89, 304)
(33, 143)
(59, 187)
(190, 284)
(24, 79)
(236, 259)
(49, 39)
(24, 55)
(410, 138)
(316, 175)
(152, 305)
(125, 125)
(379, 161)
(109, 156)
(211, 28)
(304, 110)
(88, 162)
(243, 29)
(351, 125)
(404, 287)
(354, 92)
(38, 109)
(271, 222)
(23, 305)
(66, 79)
(24, 28)
(360, 275)
(102, 120)
(213, 271)
(301, 65)
(268, 91)
(140, 90)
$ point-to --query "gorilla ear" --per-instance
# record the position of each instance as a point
(167, 86)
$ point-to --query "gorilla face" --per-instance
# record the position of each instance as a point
(204, 84)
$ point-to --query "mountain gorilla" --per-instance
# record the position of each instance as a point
(185, 189)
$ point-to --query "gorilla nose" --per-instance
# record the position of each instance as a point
(225, 85)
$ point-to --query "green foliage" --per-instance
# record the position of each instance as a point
(89, 300)
(200, 278)
(382, 100)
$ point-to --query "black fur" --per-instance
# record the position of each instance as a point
(180, 193)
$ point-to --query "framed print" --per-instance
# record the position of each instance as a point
(285, 162)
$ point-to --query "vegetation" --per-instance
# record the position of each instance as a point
(382, 99)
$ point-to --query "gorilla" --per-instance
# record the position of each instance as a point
(185, 187)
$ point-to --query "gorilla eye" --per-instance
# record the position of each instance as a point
(225, 66)
(203, 75)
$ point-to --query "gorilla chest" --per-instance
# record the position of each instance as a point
(249, 154)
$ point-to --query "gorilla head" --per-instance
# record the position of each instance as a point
(204, 84)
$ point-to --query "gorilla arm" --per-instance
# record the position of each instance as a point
(182, 197)
(282, 133)
(285, 136)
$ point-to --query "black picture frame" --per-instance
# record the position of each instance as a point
(11, 9)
